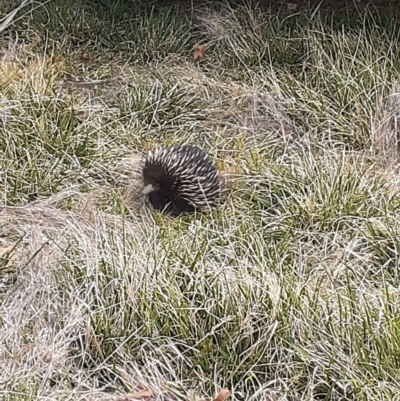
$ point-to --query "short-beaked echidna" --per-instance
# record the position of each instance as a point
(180, 179)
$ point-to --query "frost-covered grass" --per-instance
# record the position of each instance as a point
(289, 290)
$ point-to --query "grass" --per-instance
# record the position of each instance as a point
(289, 290)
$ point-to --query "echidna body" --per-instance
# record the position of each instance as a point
(180, 179)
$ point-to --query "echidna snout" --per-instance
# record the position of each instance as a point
(180, 179)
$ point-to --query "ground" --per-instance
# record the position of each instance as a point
(288, 290)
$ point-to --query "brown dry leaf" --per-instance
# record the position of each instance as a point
(223, 395)
(291, 7)
(199, 52)
(85, 56)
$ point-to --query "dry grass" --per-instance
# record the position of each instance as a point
(288, 291)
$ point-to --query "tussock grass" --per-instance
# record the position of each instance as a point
(289, 290)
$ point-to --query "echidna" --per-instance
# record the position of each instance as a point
(180, 179)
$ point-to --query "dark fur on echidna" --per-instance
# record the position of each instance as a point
(181, 179)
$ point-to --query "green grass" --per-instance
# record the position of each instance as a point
(289, 290)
